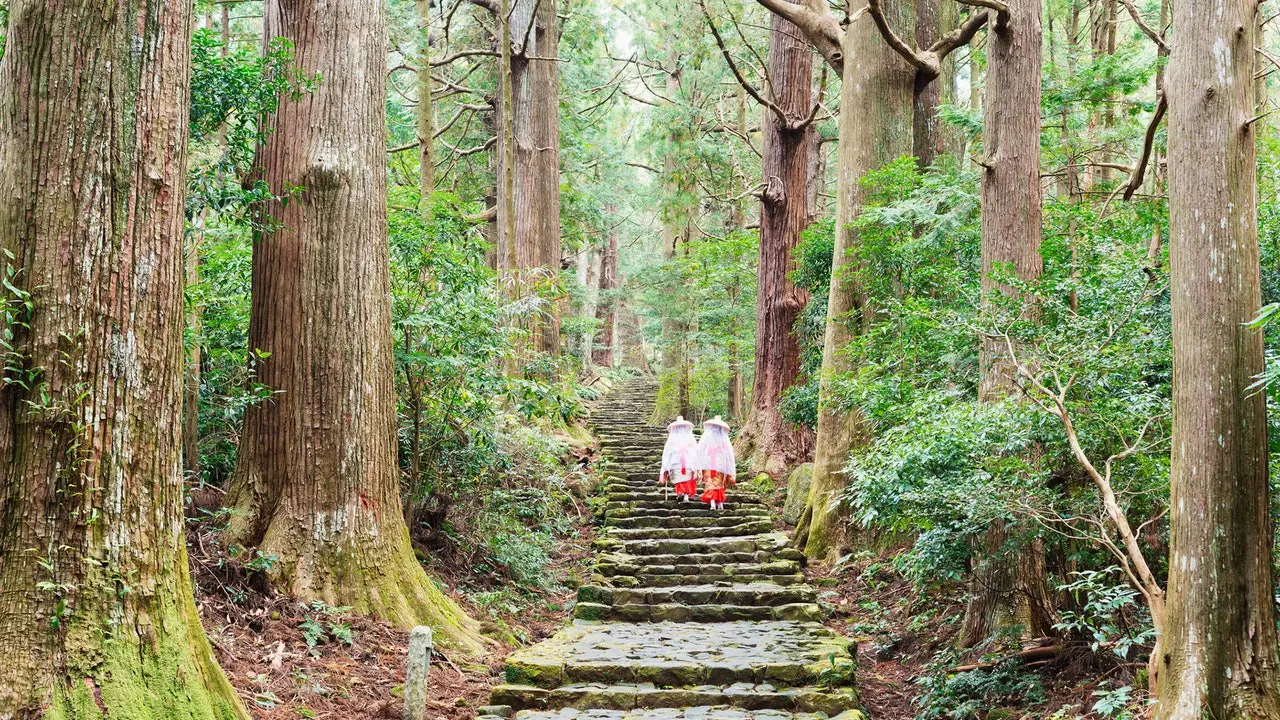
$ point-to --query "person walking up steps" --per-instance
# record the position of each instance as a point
(678, 459)
(716, 464)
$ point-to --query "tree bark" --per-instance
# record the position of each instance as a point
(768, 442)
(532, 234)
(317, 485)
(875, 129)
(606, 303)
(426, 126)
(1218, 653)
(929, 138)
(97, 616)
(1006, 585)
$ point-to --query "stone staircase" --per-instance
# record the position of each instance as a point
(691, 614)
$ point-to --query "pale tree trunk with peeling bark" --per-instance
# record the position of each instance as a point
(1009, 587)
(1218, 651)
(317, 485)
(768, 442)
(91, 524)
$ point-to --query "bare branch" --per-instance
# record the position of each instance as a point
(1002, 9)
(908, 53)
(819, 25)
(959, 37)
(1146, 29)
(733, 66)
(462, 54)
(1148, 140)
(489, 5)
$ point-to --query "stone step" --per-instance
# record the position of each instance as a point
(610, 566)
(639, 498)
(745, 594)
(687, 654)
(643, 696)
(688, 510)
(750, 527)
(702, 558)
(703, 712)
(678, 520)
(650, 580)
(678, 613)
(768, 542)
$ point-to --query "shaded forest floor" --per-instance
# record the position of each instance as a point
(906, 648)
(290, 660)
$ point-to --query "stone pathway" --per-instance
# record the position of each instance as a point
(692, 614)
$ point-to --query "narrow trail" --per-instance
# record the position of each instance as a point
(692, 614)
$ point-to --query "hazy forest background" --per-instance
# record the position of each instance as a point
(984, 288)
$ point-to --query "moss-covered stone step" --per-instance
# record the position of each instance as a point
(680, 613)
(646, 580)
(689, 510)
(687, 654)
(708, 559)
(647, 696)
(756, 594)
(679, 520)
(769, 542)
(691, 713)
(749, 527)
(615, 565)
(731, 503)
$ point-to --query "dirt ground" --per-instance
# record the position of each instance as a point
(289, 661)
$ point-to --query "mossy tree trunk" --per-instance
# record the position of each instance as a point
(1218, 655)
(768, 442)
(878, 86)
(317, 485)
(97, 615)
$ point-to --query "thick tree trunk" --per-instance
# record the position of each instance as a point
(875, 129)
(97, 616)
(532, 235)
(317, 484)
(930, 138)
(1218, 653)
(606, 303)
(768, 443)
(1006, 586)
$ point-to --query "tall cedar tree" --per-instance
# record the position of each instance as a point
(886, 86)
(317, 485)
(530, 238)
(97, 616)
(1009, 588)
(878, 90)
(768, 442)
(1218, 656)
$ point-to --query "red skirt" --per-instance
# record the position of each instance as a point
(713, 495)
(688, 487)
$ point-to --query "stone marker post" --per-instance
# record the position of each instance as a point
(415, 676)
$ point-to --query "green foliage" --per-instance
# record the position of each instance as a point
(700, 310)
(958, 696)
(1108, 612)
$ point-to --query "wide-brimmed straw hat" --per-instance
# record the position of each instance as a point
(717, 422)
(679, 423)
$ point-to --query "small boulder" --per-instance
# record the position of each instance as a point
(797, 493)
